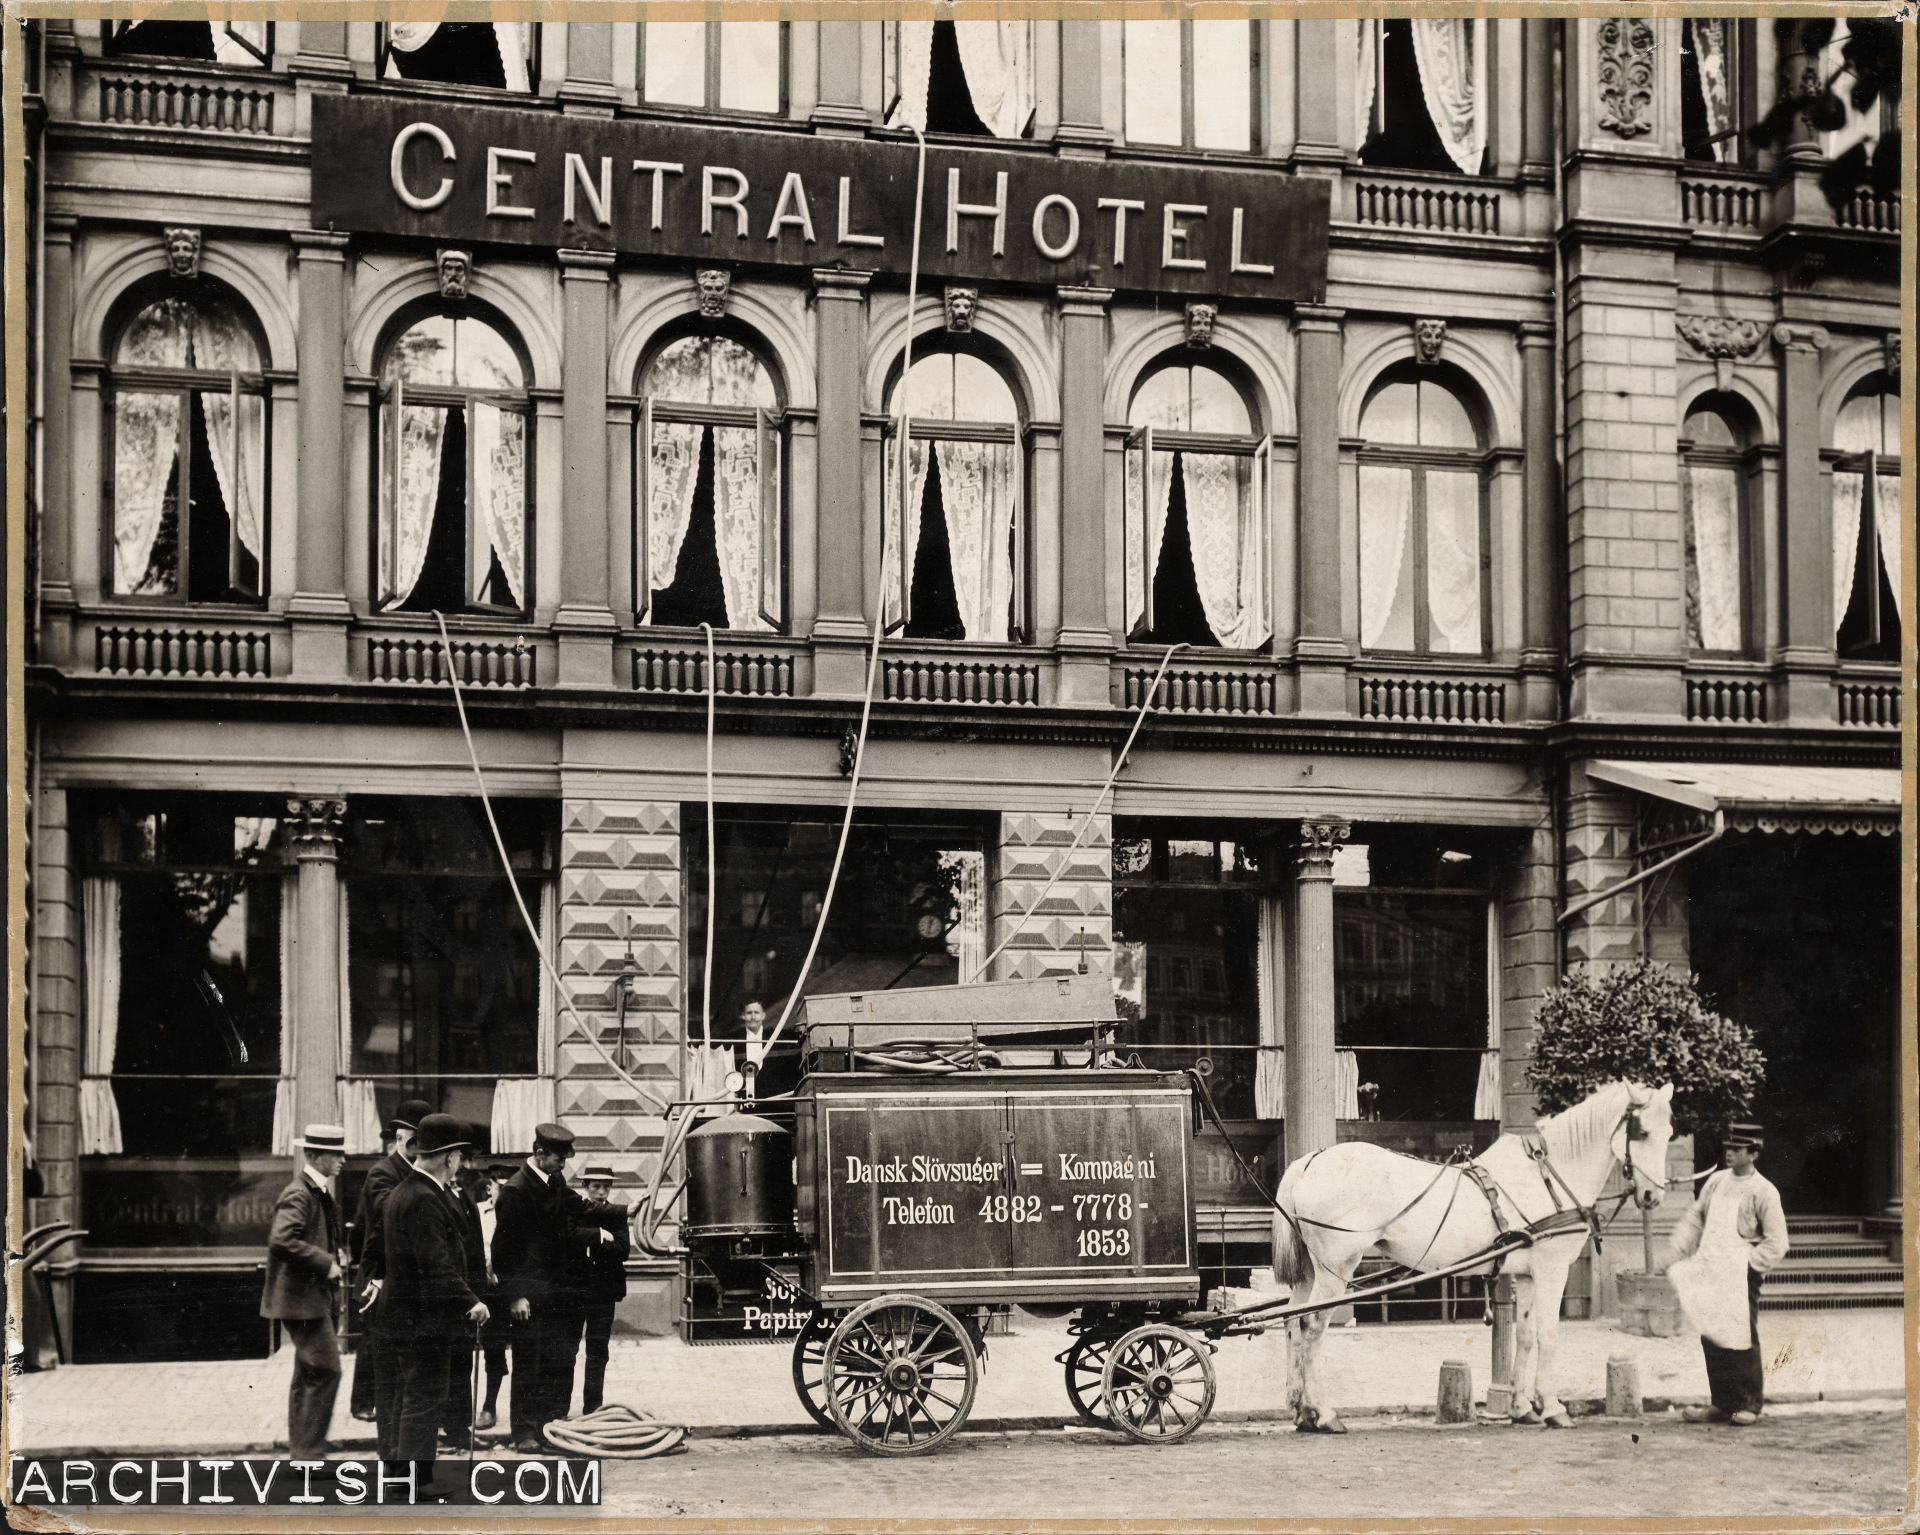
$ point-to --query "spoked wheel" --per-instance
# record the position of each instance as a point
(809, 1367)
(899, 1375)
(1158, 1384)
(1086, 1364)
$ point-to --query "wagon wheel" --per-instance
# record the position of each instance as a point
(1158, 1384)
(809, 1367)
(1086, 1364)
(899, 1375)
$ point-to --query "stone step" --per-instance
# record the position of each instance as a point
(1832, 1271)
(1823, 1225)
(1880, 1295)
(1863, 1250)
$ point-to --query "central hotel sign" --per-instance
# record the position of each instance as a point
(498, 176)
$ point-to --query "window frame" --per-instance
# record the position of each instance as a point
(383, 53)
(711, 85)
(112, 30)
(1255, 81)
(1376, 119)
(1741, 460)
(1877, 467)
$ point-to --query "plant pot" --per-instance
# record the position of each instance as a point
(1649, 1308)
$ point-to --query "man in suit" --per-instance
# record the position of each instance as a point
(305, 1259)
(537, 1218)
(495, 1336)
(459, 1425)
(382, 1179)
(603, 1280)
(426, 1302)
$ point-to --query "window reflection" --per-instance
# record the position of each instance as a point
(736, 66)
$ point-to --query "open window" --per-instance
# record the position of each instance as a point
(1866, 524)
(187, 425)
(456, 434)
(1423, 566)
(500, 54)
(236, 44)
(1713, 502)
(958, 566)
(973, 77)
(1422, 99)
(1196, 512)
(731, 66)
(1191, 83)
(709, 546)
(1710, 89)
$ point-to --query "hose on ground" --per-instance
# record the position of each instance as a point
(616, 1432)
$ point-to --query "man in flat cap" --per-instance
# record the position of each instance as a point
(305, 1257)
(603, 1280)
(382, 1179)
(1735, 1232)
(535, 1224)
(426, 1303)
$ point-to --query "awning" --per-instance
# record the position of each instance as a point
(1768, 798)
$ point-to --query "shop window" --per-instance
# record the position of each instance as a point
(1712, 479)
(1191, 83)
(183, 969)
(1422, 99)
(236, 44)
(1196, 512)
(455, 441)
(959, 557)
(735, 66)
(709, 543)
(971, 77)
(1709, 89)
(1866, 524)
(1422, 539)
(187, 421)
(444, 986)
(499, 54)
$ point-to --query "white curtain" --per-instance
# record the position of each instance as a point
(243, 500)
(511, 38)
(360, 1115)
(997, 59)
(1386, 502)
(1223, 527)
(1270, 1060)
(1710, 53)
(1146, 524)
(673, 474)
(549, 904)
(1346, 1085)
(1453, 562)
(411, 36)
(499, 478)
(520, 1103)
(283, 1126)
(979, 486)
(967, 942)
(100, 936)
(413, 496)
(345, 1020)
(707, 1069)
(915, 63)
(905, 517)
(1444, 52)
(736, 521)
(1713, 506)
(1364, 72)
(1486, 1091)
(1886, 518)
(146, 444)
(1848, 489)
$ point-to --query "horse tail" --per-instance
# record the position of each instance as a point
(1293, 1263)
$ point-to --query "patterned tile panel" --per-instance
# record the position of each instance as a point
(1050, 934)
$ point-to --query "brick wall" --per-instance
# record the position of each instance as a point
(1077, 911)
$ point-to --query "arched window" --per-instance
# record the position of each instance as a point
(1196, 512)
(1866, 523)
(1714, 524)
(456, 437)
(958, 556)
(708, 546)
(973, 77)
(187, 416)
(1422, 542)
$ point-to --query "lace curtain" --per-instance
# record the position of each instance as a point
(1365, 70)
(499, 477)
(1710, 54)
(146, 445)
(1486, 1090)
(1386, 503)
(979, 486)
(904, 531)
(1270, 1060)
(1453, 563)
(360, 1115)
(1712, 498)
(673, 474)
(1848, 491)
(736, 521)
(1147, 526)
(412, 499)
(1886, 519)
(220, 344)
(509, 37)
(283, 1126)
(1444, 51)
(996, 56)
(707, 1069)
(520, 1103)
(100, 929)
(1346, 1085)
(1224, 526)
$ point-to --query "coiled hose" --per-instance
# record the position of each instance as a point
(616, 1432)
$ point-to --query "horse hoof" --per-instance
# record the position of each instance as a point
(1529, 1416)
(1559, 1420)
(1314, 1424)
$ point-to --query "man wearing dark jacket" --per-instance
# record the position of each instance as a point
(603, 1281)
(382, 1179)
(426, 1302)
(459, 1423)
(304, 1264)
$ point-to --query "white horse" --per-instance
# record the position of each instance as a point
(1353, 1197)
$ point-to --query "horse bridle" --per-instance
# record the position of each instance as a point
(1550, 1175)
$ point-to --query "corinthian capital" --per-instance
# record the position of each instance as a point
(1313, 854)
(314, 825)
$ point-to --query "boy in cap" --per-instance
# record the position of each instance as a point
(304, 1265)
(1737, 1220)
(382, 1179)
(604, 1280)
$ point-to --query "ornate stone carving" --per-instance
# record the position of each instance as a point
(1891, 345)
(715, 285)
(314, 826)
(960, 306)
(1797, 336)
(456, 272)
(1626, 75)
(1313, 854)
(1200, 318)
(183, 251)
(1429, 336)
(1721, 339)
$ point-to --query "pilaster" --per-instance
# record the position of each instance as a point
(1086, 633)
(1803, 694)
(318, 606)
(1540, 536)
(848, 590)
(584, 624)
(588, 89)
(1320, 648)
(56, 442)
(1082, 132)
(841, 110)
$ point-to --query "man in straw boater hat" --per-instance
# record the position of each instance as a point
(426, 1302)
(1734, 1233)
(305, 1259)
(382, 1179)
(603, 1281)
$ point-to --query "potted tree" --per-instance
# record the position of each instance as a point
(1644, 1023)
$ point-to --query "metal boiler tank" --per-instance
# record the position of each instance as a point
(739, 1178)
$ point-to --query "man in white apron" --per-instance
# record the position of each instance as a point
(1735, 1232)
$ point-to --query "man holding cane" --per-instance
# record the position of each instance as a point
(382, 1179)
(304, 1267)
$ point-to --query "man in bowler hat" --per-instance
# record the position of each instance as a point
(304, 1264)
(604, 1282)
(426, 1302)
(383, 1178)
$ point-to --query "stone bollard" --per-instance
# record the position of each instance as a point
(1456, 1391)
(1623, 1388)
(1500, 1383)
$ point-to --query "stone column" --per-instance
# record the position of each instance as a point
(841, 110)
(1075, 921)
(56, 443)
(847, 596)
(585, 622)
(311, 1038)
(588, 88)
(1086, 627)
(1083, 129)
(1540, 528)
(1537, 86)
(318, 606)
(1318, 70)
(1804, 694)
(323, 49)
(1310, 1091)
(1320, 650)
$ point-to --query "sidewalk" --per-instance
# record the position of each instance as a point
(241, 1407)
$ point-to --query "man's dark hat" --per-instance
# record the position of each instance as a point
(411, 1112)
(552, 1137)
(1743, 1132)
(440, 1132)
